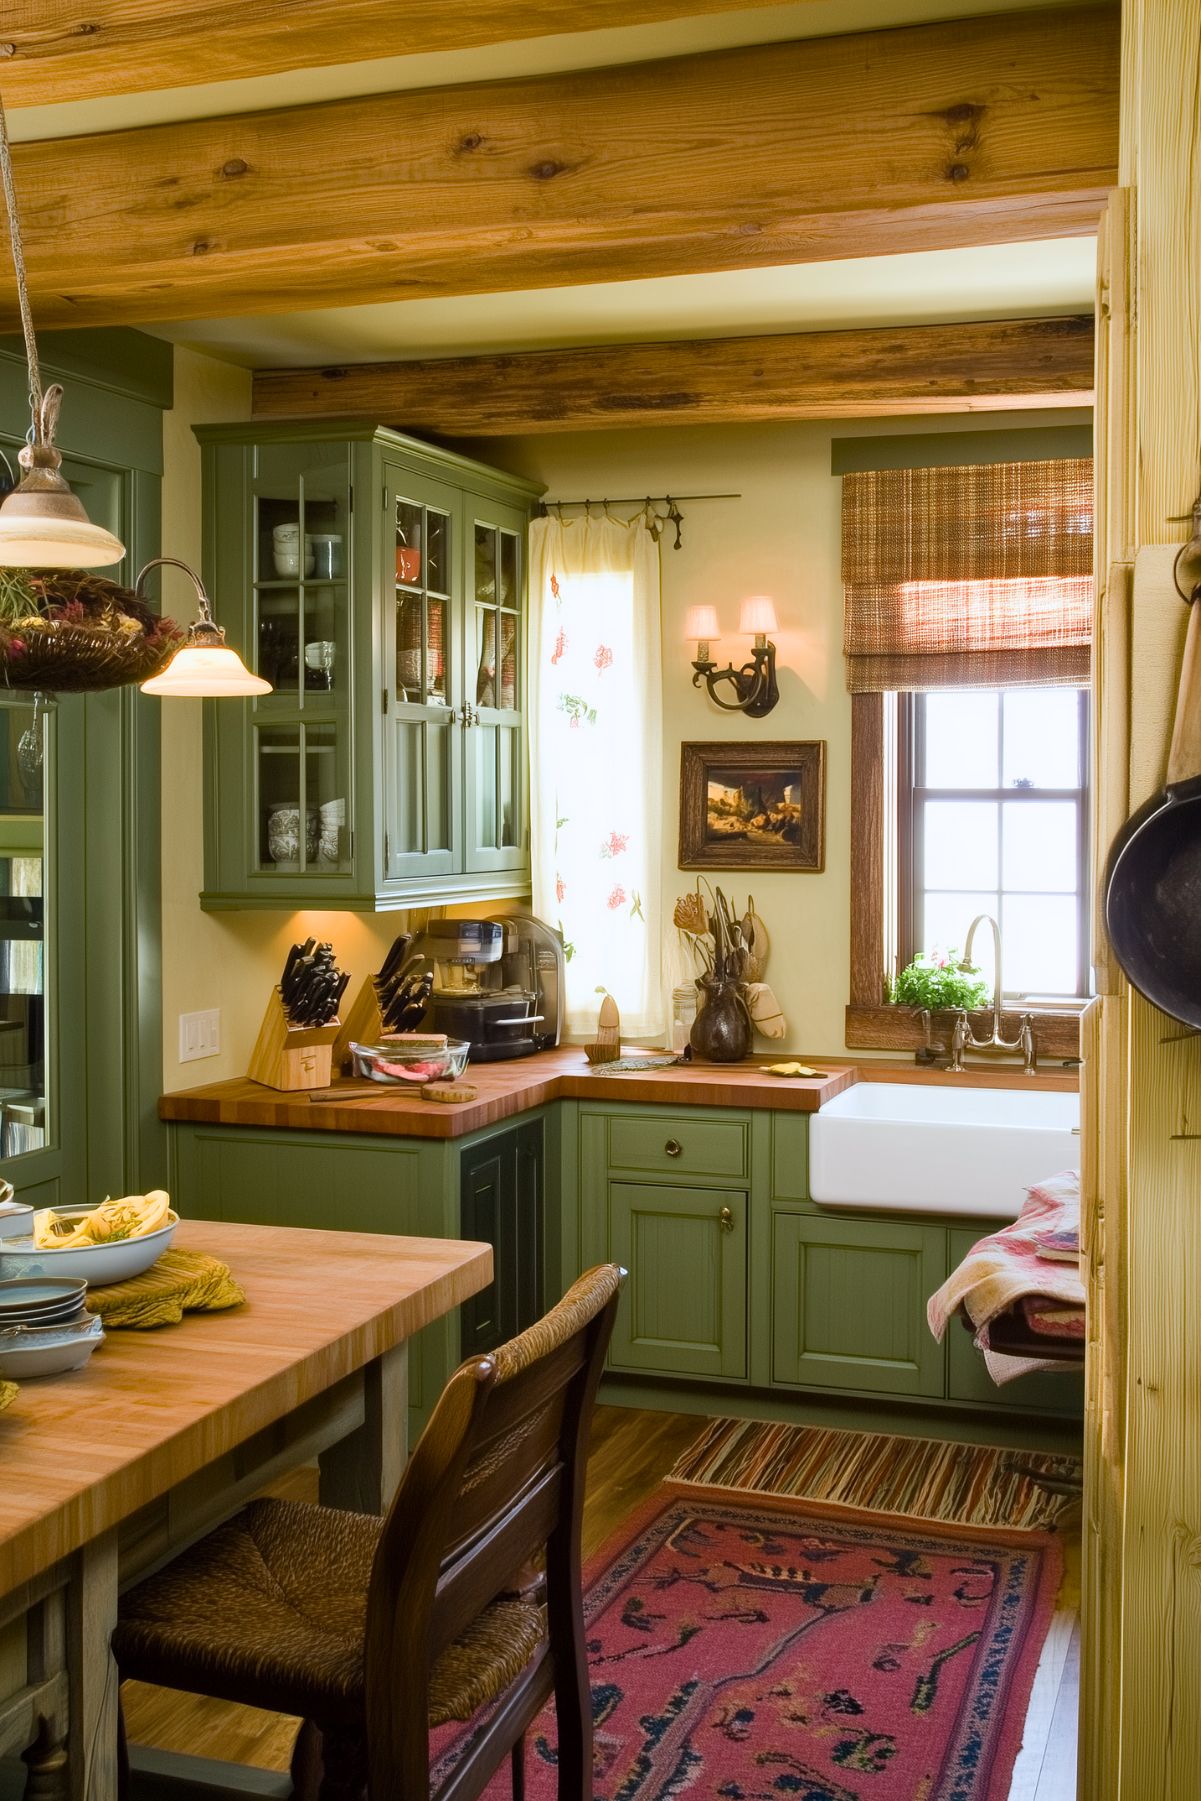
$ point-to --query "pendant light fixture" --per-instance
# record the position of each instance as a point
(205, 665)
(42, 524)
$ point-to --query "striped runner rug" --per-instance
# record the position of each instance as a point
(878, 1472)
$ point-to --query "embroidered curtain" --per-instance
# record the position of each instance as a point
(596, 760)
(974, 577)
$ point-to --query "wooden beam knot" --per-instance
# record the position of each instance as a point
(234, 167)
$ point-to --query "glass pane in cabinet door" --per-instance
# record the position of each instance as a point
(507, 550)
(327, 800)
(485, 656)
(484, 745)
(326, 645)
(508, 779)
(435, 651)
(279, 652)
(22, 933)
(436, 576)
(508, 689)
(281, 818)
(410, 544)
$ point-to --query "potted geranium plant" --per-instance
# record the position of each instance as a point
(938, 982)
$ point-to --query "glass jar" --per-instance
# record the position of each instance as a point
(683, 1012)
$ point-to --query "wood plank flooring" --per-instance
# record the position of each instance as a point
(631, 1452)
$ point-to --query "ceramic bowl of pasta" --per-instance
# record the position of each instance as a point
(103, 1244)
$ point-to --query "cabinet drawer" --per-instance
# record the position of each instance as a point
(683, 1145)
(684, 1310)
(850, 1304)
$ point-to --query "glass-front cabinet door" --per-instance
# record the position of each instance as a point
(40, 948)
(301, 766)
(423, 690)
(378, 584)
(494, 748)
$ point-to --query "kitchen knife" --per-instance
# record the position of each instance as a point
(395, 957)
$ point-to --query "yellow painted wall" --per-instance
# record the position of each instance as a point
(780, 538)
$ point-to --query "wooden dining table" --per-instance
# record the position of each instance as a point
(108, 1471)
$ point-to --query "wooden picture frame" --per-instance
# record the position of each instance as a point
(753, 805)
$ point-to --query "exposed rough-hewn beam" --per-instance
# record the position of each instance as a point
(982, 130)
(806, 375)
(129, 46)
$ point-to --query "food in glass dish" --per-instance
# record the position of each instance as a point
(419, 1061)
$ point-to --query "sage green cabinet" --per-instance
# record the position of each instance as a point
(494, 1185)
(849, 1304)
(684, 1311)
(379, 584)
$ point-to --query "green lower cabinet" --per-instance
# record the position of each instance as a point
(849, 1304)
(491, 1186)
(684, 1311)
(967, 1375)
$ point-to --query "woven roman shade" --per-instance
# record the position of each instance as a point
(977, 577)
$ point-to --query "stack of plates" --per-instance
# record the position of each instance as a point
(45, 1327)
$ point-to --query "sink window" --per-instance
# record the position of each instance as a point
(992, 817)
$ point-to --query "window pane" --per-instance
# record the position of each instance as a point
(1039, 845)
(961, 739)
(961, 844)
(1040, 943)
(946, 918)
(1042, 738)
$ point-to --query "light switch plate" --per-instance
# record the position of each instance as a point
(199, 1034)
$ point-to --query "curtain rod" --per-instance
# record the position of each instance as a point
(655, 522)
(638, 500)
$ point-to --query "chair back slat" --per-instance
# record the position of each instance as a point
(497, 1475)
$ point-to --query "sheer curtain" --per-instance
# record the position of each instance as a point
(596, 758)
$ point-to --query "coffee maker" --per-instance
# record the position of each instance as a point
(498, 983)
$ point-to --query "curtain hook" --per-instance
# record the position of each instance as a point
(676, 518)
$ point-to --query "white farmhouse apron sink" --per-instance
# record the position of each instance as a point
(936, 1148)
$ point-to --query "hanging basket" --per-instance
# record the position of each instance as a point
(67, 631)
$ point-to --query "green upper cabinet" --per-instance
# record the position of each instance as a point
(379, 585)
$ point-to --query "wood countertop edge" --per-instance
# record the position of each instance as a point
(65, 1526)
(521, 1089)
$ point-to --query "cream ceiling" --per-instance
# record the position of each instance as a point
(1005, 281)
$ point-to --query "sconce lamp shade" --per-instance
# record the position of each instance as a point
(205, 665)
(701, 623)
(758, 615)
(205, 669)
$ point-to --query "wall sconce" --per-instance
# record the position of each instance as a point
(755, 683)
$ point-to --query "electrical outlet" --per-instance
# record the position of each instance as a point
(199, 1035)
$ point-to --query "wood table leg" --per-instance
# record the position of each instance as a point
(92, 1707)
(362, 1471)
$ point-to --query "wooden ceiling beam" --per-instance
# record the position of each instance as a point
(724, 381)
(984, 130)
(132, 46)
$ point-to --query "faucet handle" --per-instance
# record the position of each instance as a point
(1029, 1047)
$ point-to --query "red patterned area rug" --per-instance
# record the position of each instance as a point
(751, 1649)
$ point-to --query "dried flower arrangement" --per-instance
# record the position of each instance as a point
(722, 942)
(69, 631)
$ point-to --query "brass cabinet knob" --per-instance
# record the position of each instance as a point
(673, 1147)
(725, 1220)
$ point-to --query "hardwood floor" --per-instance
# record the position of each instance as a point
(631, 1452)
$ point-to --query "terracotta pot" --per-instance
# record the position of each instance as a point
(722, 1031)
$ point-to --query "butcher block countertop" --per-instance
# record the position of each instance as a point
(83, 1452)
(507, 1089)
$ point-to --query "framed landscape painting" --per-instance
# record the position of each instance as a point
(753, 806)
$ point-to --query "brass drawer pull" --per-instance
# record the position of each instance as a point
(673, 1147)
(725, 1220)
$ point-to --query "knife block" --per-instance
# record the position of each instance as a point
(291, 1057)
(363, 1026)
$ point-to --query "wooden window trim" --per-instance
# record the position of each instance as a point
(872, 1024)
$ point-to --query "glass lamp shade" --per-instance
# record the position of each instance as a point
(701, 623)
(44, 528)
(758, 615)
(205, 669)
